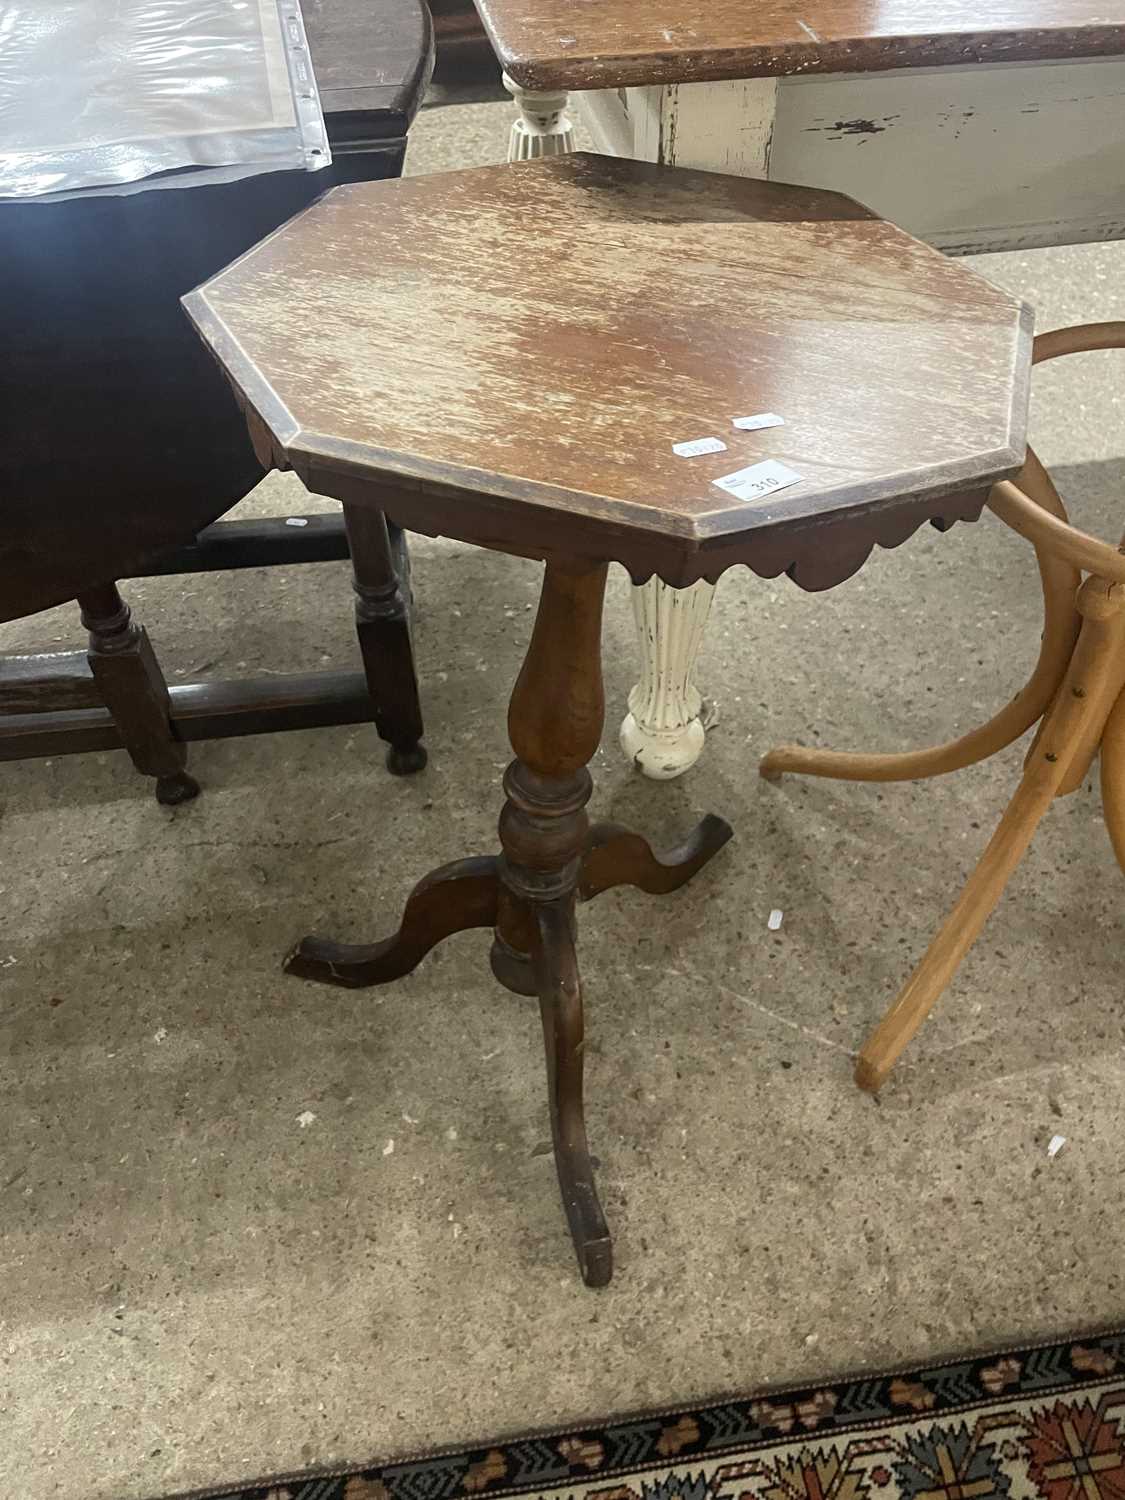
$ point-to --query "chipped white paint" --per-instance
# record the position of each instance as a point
(160, 1035)
(1057, 1142)
(775, 919)
(662, 733)
(719, 127)
(305, 1118)
(389, 1148)
(542, 126)
(1001, 156)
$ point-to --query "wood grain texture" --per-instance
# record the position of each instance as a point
(391, 338)
(597, 44)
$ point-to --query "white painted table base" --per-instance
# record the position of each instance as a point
(1007, 156)
(542, 126)
(663, 732)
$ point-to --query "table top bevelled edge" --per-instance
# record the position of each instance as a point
(802, 44)
(817, 548)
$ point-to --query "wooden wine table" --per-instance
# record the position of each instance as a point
(381, 343)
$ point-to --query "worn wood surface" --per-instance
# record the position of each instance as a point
(389, 339)
(545, 44)
(54, 679)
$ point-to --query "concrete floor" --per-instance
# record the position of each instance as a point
(250, 1224)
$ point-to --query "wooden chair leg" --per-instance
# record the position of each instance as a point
(1113, 779)
(382, 621)
(132, 685)
(1060, 580)
(1078, 701)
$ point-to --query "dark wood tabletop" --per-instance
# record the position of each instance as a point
(598, 44)
(372, 59)
(508, 356)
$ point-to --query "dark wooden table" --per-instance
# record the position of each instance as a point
(671, 302)
(553, 44)
(122, 443)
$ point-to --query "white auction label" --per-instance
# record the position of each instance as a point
(757, 481)
(698, 446)
(763, 419)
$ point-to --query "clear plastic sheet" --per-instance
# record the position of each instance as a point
(97, 93)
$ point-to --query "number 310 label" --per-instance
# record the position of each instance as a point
(757, 481)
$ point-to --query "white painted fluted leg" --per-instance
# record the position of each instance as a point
(663, 733)
(542, 127)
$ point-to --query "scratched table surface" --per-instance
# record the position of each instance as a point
(385, 335)
(548, 44)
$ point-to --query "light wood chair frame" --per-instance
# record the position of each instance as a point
(1076, 693)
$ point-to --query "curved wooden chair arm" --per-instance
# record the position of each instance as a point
(1028, 517)
(1055, 536)
(1079, 338)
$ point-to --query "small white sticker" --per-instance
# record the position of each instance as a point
(698, 446)
(757, 481)
(295, 521)
(763, 419)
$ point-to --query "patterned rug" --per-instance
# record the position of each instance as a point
(1046, 1423)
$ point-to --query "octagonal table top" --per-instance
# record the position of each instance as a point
(597, 44)
(513, 356)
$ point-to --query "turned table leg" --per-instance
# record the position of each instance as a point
(662, 734)
(550, 859)
(132, 685)
(555, 724)
(542, 126)
(382, 622)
